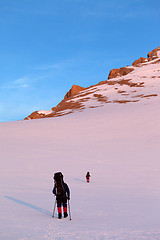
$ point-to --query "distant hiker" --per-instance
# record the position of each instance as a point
(88, 177)
(62, 192)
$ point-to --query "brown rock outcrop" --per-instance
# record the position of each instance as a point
(119, 72)
(140, 60)
(74, 90)
(150, 56)
(62, 106)
(35, 115)
(153, 54)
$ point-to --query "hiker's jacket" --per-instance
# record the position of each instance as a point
(66, 188)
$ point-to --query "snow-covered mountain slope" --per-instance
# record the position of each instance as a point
(117, 143)
(139, 82)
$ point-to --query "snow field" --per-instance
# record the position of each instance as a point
(118, 144)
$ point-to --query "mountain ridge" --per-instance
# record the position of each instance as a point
(123, 85)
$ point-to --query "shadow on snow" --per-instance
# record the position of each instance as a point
(78, 179)
(41, 210)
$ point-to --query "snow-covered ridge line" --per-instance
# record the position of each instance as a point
(125, 85)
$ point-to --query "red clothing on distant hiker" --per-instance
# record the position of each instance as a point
(88, 177)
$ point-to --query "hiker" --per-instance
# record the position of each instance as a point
(88, 177)
(62, 192)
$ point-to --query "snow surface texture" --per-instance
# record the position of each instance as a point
(117, 143)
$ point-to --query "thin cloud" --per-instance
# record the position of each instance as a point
(45, 67)
(38, 12)
(111, 10)
(15, 84)
(23, 82)
(111, 14)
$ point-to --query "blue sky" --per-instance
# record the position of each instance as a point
(46, 46)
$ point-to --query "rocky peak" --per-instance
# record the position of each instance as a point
(119, 72)
(153, 54)
(150, 56)
(74, 90)
(125, 70)
(140, 60)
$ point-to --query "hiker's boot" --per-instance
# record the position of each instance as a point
(59, 215)
(65, 214)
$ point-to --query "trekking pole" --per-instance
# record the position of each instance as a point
(69, 210)
(54, 208)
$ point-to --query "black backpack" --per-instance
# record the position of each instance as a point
(58, 180)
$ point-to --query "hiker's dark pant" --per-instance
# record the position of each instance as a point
(62, 201)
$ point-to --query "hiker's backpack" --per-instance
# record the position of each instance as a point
(58, 180)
